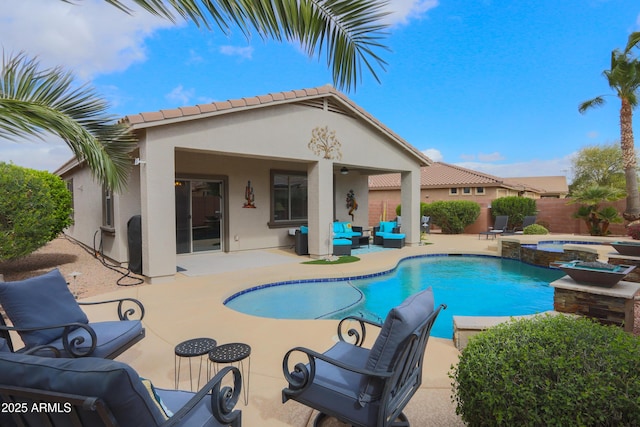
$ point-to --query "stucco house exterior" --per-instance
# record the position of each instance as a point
(240, 175)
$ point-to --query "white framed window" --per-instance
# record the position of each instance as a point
(466, 191)
(480, 190)
(453, 191)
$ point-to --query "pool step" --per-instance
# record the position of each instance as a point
(465, 327)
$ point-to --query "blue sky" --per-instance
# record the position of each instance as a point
(492, 85)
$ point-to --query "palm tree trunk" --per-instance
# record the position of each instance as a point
(632, 211)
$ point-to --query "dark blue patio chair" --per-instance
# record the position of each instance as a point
(365, 387)
(527, 221)
(46, 315)
(44, 391)
(499, 227)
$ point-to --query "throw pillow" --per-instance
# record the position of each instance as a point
(40, 301)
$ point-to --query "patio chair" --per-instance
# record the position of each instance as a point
(359, 386)
(44, 391)
(47, 316)
(302, 240)
(388, 235)
(499, 227)
(527, 221)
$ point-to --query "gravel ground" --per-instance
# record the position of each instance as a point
(88, 276)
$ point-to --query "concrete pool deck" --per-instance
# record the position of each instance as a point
(191, 307)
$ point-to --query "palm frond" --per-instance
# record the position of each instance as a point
(634, 41)
(595, 102)
(35, 101)
(348, 32)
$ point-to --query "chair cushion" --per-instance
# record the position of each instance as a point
(341, 242)
(111, 335)
(40, 301)
(304, 229)
(200, 416)
(3, 345)
(114, 382)
(393, 236)
(401, 321)
(387, 226)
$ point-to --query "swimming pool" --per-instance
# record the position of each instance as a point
(469, 285)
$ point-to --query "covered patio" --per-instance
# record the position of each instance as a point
(241, 174)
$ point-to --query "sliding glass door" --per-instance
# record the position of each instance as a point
(199, 218)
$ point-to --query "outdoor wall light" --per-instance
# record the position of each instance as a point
(344, 171)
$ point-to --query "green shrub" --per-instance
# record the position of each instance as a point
(549, 371)
(515, 207)
(34, 208)
(423, 206)
(535, 229)
(453, 216)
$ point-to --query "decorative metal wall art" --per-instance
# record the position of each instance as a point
(249, 197)
(352, 204)
(324, 143)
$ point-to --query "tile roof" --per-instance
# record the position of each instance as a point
(438, 175)
(546, 184)
(338, 102)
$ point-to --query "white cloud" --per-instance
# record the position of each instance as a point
(401, 11)
(243, 52)
(47, 154)
(90, 37)
(535, 167)
(433, 154)
(180, 95)
(593, 134)
(491, 157)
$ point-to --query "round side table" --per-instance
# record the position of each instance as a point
(195, 347)
(230, 354)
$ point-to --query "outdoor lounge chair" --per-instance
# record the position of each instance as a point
(499, 227)
(47, 316)
(365, 387)
(44, 391)
(388, 235)
(302, 240)
(527, 221)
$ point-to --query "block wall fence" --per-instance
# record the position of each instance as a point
(555, 214)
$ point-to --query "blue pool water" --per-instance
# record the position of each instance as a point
(469, 285)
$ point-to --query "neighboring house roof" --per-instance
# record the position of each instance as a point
(444, 175)
(323, 97)
(548, 185)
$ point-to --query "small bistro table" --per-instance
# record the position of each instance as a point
(196, 347)
(230, 354)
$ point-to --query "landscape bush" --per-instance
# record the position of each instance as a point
(423, 206)
(34, 209)
(535, 229)
(453, 216)
(515, 207)
(549, 371)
